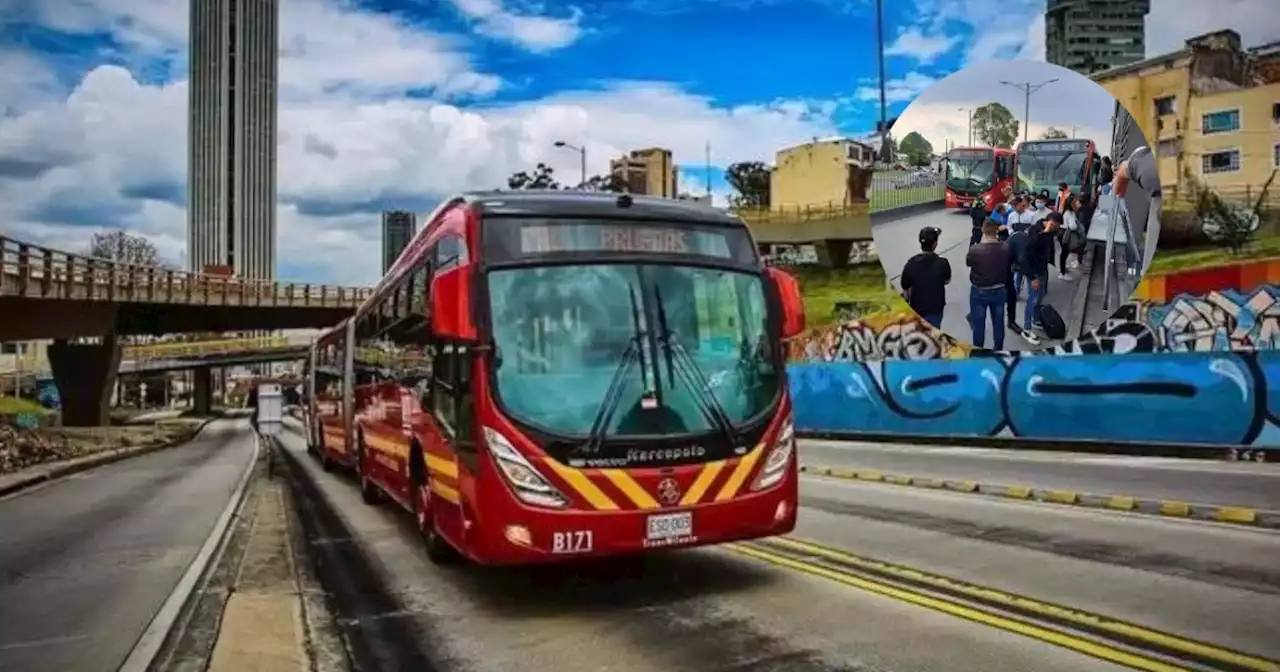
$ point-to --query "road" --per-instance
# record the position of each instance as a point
(897, 240)
(88, 561)
(722, 609)
(1246, 484)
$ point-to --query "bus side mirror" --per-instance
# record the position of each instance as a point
(450, 301)
(792, 303)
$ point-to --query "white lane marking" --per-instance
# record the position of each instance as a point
(148, 645)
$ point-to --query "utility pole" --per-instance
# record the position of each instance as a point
(1027, 88)
(884, 109)
(582, 159)
(707, 177)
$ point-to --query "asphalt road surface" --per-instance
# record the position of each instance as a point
(1247, 484)
(715, 610)
(897, 240)
(86, 562)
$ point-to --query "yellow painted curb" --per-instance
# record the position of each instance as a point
(899, 480)
(963, 486)
(869, 476)
(1175, 509)
(1018, 492)
(1235, 514)
(1122, 503)
(930, 483)
(1062, 497)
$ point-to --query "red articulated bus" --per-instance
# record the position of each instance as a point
(553, 375)
(980, 172)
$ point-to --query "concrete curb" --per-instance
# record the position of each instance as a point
(1188, 451)
(902, 212)
(1233, 515)
(57, 470)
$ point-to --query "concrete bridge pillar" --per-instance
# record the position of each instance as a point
(202, 391)
(85, 376)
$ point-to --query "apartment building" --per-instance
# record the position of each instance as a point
(1090, 36)
(651, 172)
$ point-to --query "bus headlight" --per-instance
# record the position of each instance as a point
(527, 483)
(775, 463)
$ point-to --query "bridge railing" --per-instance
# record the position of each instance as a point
(33, 271)
(226, 346)
(800, 214)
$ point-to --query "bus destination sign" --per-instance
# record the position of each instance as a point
(1065, 146)
(603, 238)
(968, 153)
(537, 239)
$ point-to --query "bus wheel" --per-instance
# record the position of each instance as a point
(438, 549)
(368, 491)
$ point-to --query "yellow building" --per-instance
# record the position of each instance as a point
(815, 175)
(651, 172)
(1211, 109)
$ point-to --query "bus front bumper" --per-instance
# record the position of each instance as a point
(521, 535)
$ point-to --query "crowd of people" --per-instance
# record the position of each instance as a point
(1010, 248)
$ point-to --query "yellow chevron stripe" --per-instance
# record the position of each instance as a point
(740, 474)
(579, 481)
(700, 484)
(446, 492)
(441, 465)
(388, 446)
(630, 488)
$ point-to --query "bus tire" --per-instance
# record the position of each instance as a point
(368, 489)
(439, 551)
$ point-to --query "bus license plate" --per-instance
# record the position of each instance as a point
(670, 526)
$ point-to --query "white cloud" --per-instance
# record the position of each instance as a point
(923, 48)
(535, 33)
(1073, 103)
(1171, 22)
(345, 137)
(896, 90)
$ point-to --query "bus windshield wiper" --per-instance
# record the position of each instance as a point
(680, 362)
(632, 353)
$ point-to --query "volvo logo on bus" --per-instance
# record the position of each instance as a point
(669, 491)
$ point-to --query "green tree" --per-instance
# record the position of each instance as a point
(1054, 133)
(123, 247)
(995, 126)
(751, 180)
(611, 182)
(918, 150)
(543, 177)
(1230, 225)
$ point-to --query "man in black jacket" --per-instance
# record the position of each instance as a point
(925, 277)
(1034, 255)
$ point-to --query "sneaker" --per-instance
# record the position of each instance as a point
(1064, 276)
(1037, 325)
(1029, 337)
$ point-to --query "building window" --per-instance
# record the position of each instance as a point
(1226, 121)
(1227, 161)
(1275, 113)
(1167, 149)
(1166, 105)
(1275, 155)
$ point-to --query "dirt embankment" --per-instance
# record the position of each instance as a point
(21, 448)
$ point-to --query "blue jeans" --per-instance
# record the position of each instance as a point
(986, 301)
(934, 321)
(1033, 299)
(1017, 283)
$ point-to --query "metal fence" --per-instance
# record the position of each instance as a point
(901, 189)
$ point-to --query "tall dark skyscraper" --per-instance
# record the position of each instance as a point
(398, 228)
(1090, 36)
(231, 136)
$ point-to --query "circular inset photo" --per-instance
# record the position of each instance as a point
(1021, 207)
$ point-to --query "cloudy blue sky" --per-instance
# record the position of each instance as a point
(400, 102)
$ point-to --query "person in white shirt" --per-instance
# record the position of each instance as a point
(1072, 238)
(1022, 216)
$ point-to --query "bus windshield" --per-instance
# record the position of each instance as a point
(1044, 167)
(561, 333)
(971, 172)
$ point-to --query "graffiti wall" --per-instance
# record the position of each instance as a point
(1198, 368)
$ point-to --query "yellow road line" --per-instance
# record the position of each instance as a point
(1038, 607)
(960, 610)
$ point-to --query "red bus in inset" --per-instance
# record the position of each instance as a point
(555, 375)
(986, 173)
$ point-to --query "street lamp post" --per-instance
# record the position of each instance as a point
(582, 156)
(970, 112)
(884, 108)
(1027, 88)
